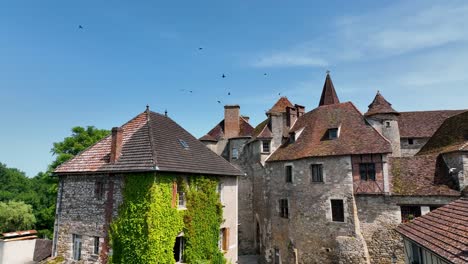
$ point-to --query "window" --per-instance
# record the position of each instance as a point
(317, 172)
(266, 146)
(220, 191)
(96, 246)
(181, 195)
(277, 256)
(179, 249)
(183, 143)
(289, 173)
(223, 242)
(337, 210)
(99, 190)
(283, 206)
(387, 123)
(292, 138)
(417, 254)
(333, 133)
(235, 153)
(410, 141)
(367, 171)
(409, 212)
(76, 240)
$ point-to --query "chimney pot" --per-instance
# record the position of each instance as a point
(116, 144)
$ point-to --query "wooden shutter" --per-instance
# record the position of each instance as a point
(174, 194)
(226, 239)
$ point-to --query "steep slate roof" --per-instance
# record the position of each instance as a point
(217, 132)
(150, 143)
(356, 135)
(280, 105)
(451, 136)
(380, 106)
(443, 231)
(420, 175)
(328, 93)
(422, 124)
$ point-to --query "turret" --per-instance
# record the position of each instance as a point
(384, 119)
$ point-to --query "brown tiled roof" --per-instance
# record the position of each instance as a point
(355, 137)
(150, 143)
(262, 130)
(217, 132)
(420, 176)
(422, 124)
(443, 231)
(280, 105)
(208, 138)
(451, 136)
(328, 93)
(380, 106)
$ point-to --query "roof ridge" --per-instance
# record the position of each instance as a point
(150, 134)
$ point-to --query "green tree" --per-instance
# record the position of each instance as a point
(80, 139)
(16, 216)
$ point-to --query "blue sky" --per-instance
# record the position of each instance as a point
(54, 76)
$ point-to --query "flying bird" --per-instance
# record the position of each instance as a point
(80, 27)
(229, 93)
(219, 102)
(200, 48)
(265, 74)
(224, 76)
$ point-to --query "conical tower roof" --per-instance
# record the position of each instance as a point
(380, 106)
(328, 93)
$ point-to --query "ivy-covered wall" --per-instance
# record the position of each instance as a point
(148, 224)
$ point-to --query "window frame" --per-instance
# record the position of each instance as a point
(99, 190)
(312, 178)
(77, 246)
(263, 146)
(235, 153)
(407, 210)
(337, 218)
(181, 245)
(367, 176)
(284, 208)
(335, 132)
(96, 245)
(289, 173)
(410, 141)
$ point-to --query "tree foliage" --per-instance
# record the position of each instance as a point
(16, 216)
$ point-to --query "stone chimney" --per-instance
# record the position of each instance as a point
(291, 116)
(116, 144)
(231, 121)
(300, 109)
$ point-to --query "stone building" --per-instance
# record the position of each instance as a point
(332, 184)
(91, 184)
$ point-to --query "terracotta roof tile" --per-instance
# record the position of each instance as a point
(329, 95)
(423, 124)
(451, 136)
(380, 106)
(217, 132)
(150, 143)
(356, 136)
(444, 231)
(280, 105)
(420, 175)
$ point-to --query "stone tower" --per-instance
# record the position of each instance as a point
(384, 118)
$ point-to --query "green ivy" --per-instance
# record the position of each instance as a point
(147, 225)
(202, 221)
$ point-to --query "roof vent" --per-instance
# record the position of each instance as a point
(183, 143)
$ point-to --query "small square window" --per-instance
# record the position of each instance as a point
(289, 173)
(410, 141)
(317, 172)
(235, 153)
(99, 190)
(96, 246)
(367, 171)
(387, 123)
(409, 212)
(266, 146)
(337, 210)
(284, 208)
(333, 133)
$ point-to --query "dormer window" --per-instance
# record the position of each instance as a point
(266, 146)
(332, 133)
(292, 138)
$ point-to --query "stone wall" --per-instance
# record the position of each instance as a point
(408, 150)
(309, 232)
(82, 213)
